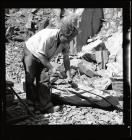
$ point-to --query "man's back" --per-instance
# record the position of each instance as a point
(42, 41)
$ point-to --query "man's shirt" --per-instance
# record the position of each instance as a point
(45, 42)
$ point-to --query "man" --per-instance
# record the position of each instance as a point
(39, 50)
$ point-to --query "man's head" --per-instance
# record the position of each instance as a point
(67, 31)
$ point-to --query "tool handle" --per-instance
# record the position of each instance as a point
(26, 106)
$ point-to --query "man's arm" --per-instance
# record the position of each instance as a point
(66, 61)
(46, 62)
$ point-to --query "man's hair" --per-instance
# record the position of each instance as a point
(68, 29)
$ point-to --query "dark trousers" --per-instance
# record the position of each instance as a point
(38, 92)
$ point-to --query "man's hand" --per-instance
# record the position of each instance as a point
(55, 73)
(69, 79)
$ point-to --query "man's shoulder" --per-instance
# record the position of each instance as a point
(54, 30)
(48, 32)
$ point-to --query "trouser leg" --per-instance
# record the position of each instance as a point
(30, 72)
(44, 94)
(30, 87)
(39, 94)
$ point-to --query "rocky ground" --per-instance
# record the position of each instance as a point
(16, 33)
(77, 115)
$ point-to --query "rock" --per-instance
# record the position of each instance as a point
(112, 58)
(95, 52)
(19, 86)
(101, 83)
(19, 39)
(114, 68)
(29, 21)
(56, 65)
(89, 57)
(77, 98)
(73, 72)
(75, 62)
(103, 73)
(56, 114)
(118, 120)
(34, 10)
(104, 118)
(114, 43)
(43, 24)
(87, 68)
(46, 115)
(119, 57)
(117, 83)
(90, 47)
(10, 31)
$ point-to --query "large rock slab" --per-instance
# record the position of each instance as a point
(95, 97)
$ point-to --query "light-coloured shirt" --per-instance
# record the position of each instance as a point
(45, 42)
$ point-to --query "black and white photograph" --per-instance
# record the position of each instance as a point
(64, 66)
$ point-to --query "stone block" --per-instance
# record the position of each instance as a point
(87, 68)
